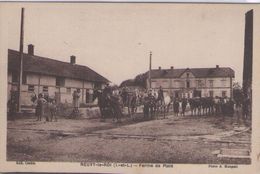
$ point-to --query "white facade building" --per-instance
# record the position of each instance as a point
(194, 82)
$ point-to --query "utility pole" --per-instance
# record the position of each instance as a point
(21, 61)
(150, 67)
(248, 54)
(248, 58)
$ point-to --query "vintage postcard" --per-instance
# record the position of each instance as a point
(130, 87)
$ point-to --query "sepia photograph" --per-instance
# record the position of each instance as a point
(129, 84)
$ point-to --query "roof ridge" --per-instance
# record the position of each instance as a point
(61, 63)
(41, 57)
(189, 68)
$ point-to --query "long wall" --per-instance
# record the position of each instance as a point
(36, 84)
(205, 85)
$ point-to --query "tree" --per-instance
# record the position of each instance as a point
(129, 82)
(140, 80)
(237, 92)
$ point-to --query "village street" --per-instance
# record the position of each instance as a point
(176, 139)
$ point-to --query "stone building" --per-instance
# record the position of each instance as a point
(52, 77)
(193, 82)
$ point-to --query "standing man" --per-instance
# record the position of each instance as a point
(76, 96)
(176, 106)
(107, 91)
(245, 107)
(160, 95)
(124, 95)
(183, 106)
(12, 104)
(40, 107)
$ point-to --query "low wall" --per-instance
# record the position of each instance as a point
(93, 112)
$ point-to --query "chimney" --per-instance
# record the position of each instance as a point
(172, 67)
(217, 66)
(159, 68)
(72, 60)
(31, 49)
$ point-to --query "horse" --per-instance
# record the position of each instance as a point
(162, 105)
(207, 105)
(108, 105)
(195, 106)
(184, 104)
(131, 103)
(102, 103)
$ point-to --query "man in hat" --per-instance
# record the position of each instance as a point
(107, 90)
(160, 95)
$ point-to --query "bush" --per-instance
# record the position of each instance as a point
(64, 109)
(87, 105)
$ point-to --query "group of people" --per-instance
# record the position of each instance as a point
(151, 101)
(210, 106)
(47, 106)
(43, 103)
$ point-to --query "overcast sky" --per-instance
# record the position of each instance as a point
(115, 39)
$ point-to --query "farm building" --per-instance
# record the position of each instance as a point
(55, 78)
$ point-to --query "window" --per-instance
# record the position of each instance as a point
(15, 77)
(188, 84)
(199, 83)
(223, 82)
(24, 80)
(60, 81)
(176, 83)
(68, 90)
(211, 93)
(211, 83)
(31, 88)
(224, 93)
(45, 89)
(188, 75)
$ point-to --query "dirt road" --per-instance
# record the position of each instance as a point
(189, 139)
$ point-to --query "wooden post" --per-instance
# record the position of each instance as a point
(150, 67)
(231, 88)
(21, 61)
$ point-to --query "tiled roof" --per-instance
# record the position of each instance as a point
(197, 72)
(47, 66)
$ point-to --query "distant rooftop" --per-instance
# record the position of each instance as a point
(197, 72)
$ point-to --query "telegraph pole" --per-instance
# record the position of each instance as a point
(150, 67)
(248, 58)
(21, 60)
(248, 54)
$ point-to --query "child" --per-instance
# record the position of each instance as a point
(52, 108)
